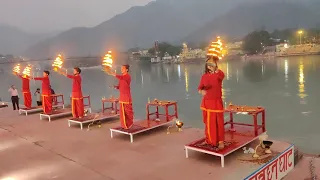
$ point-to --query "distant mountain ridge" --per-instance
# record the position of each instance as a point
(163, 20)
(177, 21)
(268, 15)
(15, 41)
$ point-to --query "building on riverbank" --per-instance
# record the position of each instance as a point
(188, 54)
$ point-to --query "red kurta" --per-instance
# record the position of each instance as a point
(46, 94)
(26, 92)
(212, 107)
(77, 98)
(126, 110)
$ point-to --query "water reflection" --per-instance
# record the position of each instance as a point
(186, 77)
(286, 66)
(179, 71)
(301, 94)
(259, 71)
(167, 74)
(179, 82)
(228, 77)
(262, 68)
(142, 80)
(237, 76)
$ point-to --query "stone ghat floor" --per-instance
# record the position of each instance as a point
(302, 169)
(31, 149)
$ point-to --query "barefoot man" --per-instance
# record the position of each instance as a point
(126, 111)
(211, 88)
(46, 92)
(212, 106)
(77, 98)
(26, 90)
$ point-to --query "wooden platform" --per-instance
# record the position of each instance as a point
(233, 141)
(59, 113)
(36, 144)
(92, 117)
(139, 127)
(56, 113)
(36, 109)
(3, 105)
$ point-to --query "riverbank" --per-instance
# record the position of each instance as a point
(34, 149)
(274, 55)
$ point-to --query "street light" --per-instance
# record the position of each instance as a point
(300, 33)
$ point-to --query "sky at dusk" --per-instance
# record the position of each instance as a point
(55, 15)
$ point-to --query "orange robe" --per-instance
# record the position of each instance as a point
(126, 110)
(76, 97)
(26, 91)
(212, 107)
(46, 94)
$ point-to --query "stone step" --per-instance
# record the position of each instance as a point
(297, 156)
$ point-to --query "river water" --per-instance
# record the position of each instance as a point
(287, 87)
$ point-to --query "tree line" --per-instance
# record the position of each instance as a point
(255, 41)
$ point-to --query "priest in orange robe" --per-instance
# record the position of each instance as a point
(76, 97)
(46, 92)
(26, 90)
(212, 106)
(126, 110)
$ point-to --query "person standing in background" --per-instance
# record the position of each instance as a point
(52, 91)
(14, 97)
(38, 95)
(54, 98)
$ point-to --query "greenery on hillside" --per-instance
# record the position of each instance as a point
(255, 41)
(292, 35)
(252, 16)
(165, 47)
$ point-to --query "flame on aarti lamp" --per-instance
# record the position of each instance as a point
(27, 71)
(107, 60)
(215, 49)
(57, 63)
(16, 68)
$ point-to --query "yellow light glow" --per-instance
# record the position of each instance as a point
(27, 71)
(16, 68)
(300, 32)
(215, 49)
(186, 78)
(107, 60)
(57, 63)
(301, 82)
(286, 67)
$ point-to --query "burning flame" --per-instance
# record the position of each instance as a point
(57, 63)
(215, 49)
(16, 68)
(27, 71)
(107, 60)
